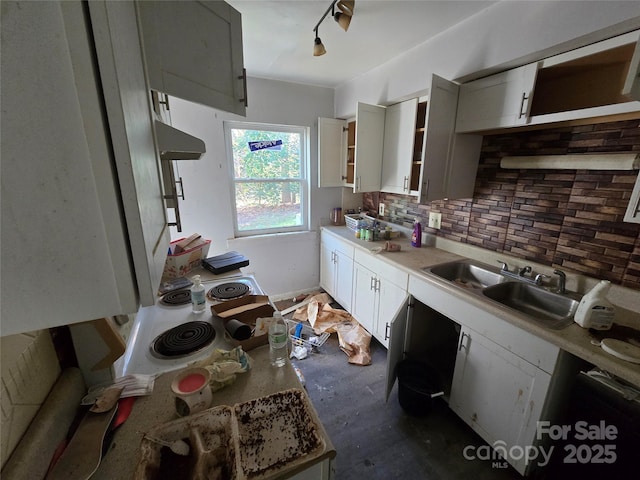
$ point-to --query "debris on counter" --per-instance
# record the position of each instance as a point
(224, 365)
(133, 385)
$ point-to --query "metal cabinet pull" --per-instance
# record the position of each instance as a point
(243, 77)
(181, 194)
(464, 344)
(523, 110)
(386, 331)
(165, 102)
(405, 184)
(372, 284)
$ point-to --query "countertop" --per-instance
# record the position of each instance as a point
(121, 458)
(573, 339)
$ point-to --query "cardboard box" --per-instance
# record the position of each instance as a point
(246, 309)
(178, 265)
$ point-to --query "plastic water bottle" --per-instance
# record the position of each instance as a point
(198, 299)
(278, 340)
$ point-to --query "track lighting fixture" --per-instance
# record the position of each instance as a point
(318, 47)
(342, 17)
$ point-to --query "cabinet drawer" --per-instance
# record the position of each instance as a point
(335, 244)
(382, 269)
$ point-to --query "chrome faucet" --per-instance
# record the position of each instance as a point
(519, 274)
(524, 270)
(562, 281)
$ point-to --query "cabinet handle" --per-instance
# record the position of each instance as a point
(464, 344)
(372, 284)
(165, 102)
(523, 110)
(405, 184)
(377, 285)
(243, 77)
(181, 194)
(386, 331)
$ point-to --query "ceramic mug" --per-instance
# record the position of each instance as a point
(192, 391)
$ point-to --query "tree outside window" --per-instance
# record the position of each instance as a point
(269, 168)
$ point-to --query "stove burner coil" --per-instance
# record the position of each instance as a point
(179, 297)
(228, 291)
(183, 339)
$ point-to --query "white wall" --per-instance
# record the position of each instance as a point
(283, 264)
(507, 34)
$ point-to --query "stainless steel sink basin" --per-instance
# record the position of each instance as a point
(552, 310)
(468, 274)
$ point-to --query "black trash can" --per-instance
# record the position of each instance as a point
(418, 385)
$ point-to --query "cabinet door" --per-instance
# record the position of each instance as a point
(497, 101)
(497, 393)
(332, 151)
(193, 51)
(436, 153)
(633, 209)
(399, 135)
(343, 279)
(130, 122)
(632, 83)
(397, 339)
(365, 296)
(327, 269)
(390, 299)
(369, 144)
(65, 253)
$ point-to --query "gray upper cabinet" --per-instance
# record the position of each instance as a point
(424, 157)
(193, 51)
(497, 101)
(598, 82)
(399, 136)
(84, 231)
(350, 152)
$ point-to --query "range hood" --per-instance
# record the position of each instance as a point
(585, 161)
(175, 144)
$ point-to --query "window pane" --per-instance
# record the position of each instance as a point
(281, 160)
(267, 205)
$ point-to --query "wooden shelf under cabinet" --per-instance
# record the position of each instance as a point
(592, 81)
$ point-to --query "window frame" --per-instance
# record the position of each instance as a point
(303, 181)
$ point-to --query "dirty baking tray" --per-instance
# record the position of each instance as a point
(258, 439)
(276, 432)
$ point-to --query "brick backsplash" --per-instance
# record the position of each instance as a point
(570, 219)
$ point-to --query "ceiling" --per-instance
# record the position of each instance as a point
(278, 35)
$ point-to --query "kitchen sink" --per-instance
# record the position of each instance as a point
(552, 310)
(468, 274)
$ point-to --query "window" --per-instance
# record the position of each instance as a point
(269, 169)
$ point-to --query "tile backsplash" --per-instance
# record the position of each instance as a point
(570, 219)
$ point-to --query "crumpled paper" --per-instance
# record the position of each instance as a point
(223, 365)
(354, 340)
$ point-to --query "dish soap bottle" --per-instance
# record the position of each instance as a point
(198, 300)
(594, 310)
(416, 236)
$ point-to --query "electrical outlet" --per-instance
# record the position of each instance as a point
(434, 220)
(381, 209)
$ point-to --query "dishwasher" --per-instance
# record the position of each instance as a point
(599, 435)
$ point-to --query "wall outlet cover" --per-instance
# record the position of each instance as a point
(381, 209)
(434, 220)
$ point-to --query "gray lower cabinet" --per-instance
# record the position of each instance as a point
(495, 376)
